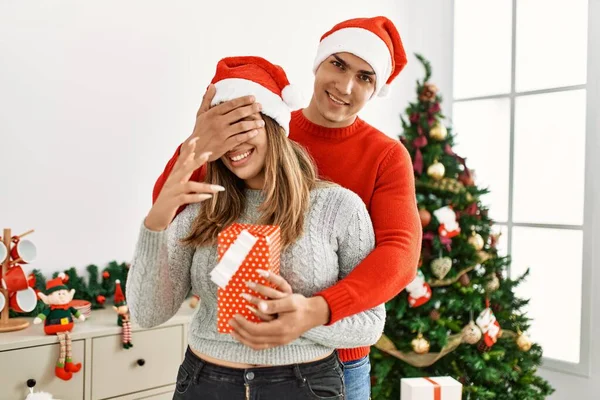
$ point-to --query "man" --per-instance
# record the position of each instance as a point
(356, 60)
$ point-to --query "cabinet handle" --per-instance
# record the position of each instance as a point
(141, 362)
(31, 383)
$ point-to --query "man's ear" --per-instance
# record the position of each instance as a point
(43, 297)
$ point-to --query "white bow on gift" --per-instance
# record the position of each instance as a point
(233, 258)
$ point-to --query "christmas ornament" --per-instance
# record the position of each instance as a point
(449, 227)
(436, 170)
(492, 284)
(58, 321)
(194, 301)
(441, 266)
(419, 291)
(476, 241)
(467, 177)
(420, 345)
(123, 319)
(489, 326)
(471, 333)
(434, 315)
(483, 256)
(523, 342)
(464, 280)
(428, 92)
(105, 275)
(425, 217)
(438, 132)
(100, 299)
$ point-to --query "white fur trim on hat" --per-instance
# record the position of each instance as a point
(293, 97)
(362, 43)
(272, 104)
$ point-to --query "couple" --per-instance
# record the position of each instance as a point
(351, 233)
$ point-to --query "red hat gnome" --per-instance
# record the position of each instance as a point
(58, 320)
(123, 319)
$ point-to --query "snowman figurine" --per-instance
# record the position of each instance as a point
(489, 326)
(58, 320)
(419, 291)
(448, 225)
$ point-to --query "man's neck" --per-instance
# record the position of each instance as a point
(313, 115)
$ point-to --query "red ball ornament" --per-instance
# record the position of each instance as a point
(425, 217)
(105, 275)
(100, 299)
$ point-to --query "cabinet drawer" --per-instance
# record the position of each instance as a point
(38, 363)
(153, 361)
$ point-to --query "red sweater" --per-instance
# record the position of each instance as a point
(378, 169)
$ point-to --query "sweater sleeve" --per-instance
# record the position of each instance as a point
(355, 241)
(198, 176)
(159, 277)
(393, 264)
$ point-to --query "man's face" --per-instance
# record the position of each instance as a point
(343, 85)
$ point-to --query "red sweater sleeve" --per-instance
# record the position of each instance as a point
(392, 265)
(198, 176)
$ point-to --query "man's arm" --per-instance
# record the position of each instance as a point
(398, 234)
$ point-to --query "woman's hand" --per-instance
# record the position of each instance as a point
(179, 190)
(283, 289)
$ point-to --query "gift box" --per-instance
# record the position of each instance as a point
(242, 249)
(436, 388)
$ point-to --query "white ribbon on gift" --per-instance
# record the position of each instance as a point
(233, 258)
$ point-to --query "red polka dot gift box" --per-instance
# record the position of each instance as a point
(242, 249)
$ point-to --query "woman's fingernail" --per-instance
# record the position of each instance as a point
(263, 273)
(263, 307)
(246, 296)
(261, 123)
(252, 309)
(251, 285)
(217, 188)
(253, 133)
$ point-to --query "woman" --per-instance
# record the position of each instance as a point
(325, 230)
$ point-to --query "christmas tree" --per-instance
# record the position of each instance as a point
(460, 316)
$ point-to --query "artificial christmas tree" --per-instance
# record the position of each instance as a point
(460, 317)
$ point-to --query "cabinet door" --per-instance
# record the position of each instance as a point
(153, 361)
(17, 366)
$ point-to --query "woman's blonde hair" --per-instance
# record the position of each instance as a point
(290, 175)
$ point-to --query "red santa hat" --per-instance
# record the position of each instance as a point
(119, 296)
(376, 40)
(268, 83)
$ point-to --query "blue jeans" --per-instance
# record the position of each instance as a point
(357, 377)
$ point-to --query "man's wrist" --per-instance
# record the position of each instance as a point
(319, 310)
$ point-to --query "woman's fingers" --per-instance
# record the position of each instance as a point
(277, 280)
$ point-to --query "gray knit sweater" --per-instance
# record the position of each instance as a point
(338, 235)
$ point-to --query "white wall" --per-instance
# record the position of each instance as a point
(95, 96)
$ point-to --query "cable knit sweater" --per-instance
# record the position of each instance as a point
(338, 235)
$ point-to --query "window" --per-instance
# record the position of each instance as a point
(519, 108)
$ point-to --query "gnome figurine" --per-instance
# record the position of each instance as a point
(58, 320)
(123, 319)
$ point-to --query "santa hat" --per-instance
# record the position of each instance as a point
(268, 83)
(119, 296)
(55, 284)
(376, 40)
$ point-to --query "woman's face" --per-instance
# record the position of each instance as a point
(247, 160)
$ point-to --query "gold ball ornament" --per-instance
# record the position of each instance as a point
(438, 132)
(425, 217)
(441, 266)
(436, 170)
(420, 345)
(492, 284)
(471, 333)
(483, 256)
(476, 241)
(523, 342)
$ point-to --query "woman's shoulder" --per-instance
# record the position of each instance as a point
(332, 195)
